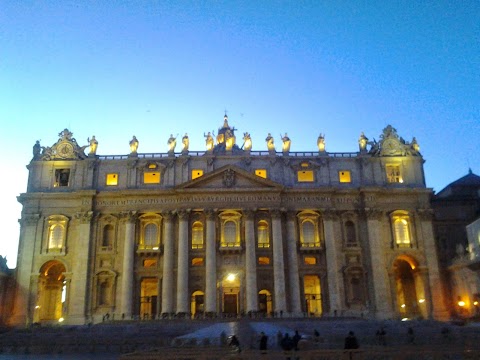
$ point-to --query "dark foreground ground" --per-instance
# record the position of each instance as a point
(197, 338)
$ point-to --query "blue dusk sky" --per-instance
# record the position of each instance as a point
(115, 69)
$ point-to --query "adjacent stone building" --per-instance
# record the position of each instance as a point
(456, 208)
(227, 231)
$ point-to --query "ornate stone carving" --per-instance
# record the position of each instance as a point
(84, 217)
(66, 148)
(183, 214)
(249, 214)
(128, 216)
(29, 219)
(391, 144)
(426, 214)
(374, 214)
(330, 214)
(168, 215)
(210, 214)
(229, 178)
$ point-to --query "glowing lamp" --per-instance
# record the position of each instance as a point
(461, 303)
(231, 277)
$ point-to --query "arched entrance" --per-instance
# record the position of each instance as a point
(51, 292)
(265, 302)
(313, 295)
(409, 288)
(197, 305)
(230, 296)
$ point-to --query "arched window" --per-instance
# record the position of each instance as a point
(108, 237)
(263, 234)
(56, 237)
(230, 231)
(350, 234)
(150, 236)
(309, 224)
(197, 235)
(401, 228)
(57, 233)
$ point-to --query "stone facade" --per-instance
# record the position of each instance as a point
(455, 207)
(227, 231)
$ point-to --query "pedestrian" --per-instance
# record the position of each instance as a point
(263, 343)
(351, 343)
(316, 335)
(381, 336)
(235, 344)
(296, 338)
(287, 345)
(410, 336)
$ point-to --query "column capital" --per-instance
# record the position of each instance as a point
(29, 219)
(374, 214)
(183, 214)
(276, 213)
(210, 213)
(330, 214)
(128, 216)
(167, 215)
(426, 214)
(249, 214)
(84, 217)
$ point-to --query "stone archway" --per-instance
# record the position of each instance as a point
(51, 292)
(409, 289)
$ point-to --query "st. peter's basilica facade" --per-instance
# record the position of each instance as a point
(227, 231)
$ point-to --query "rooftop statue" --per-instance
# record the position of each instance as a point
(362, 142)
(172, 143)
(36, 150)
(185, 143)
(415, 145)
(93, 145)
(208, 141)
(321, 142)
(286, 143)
(247, 142)
(133, 145)
(270, 143)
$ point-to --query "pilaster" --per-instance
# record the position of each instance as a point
(250, 262)
(333, 262)
(278, 263)
(183, 305)
(210, 264)
(293, 277)
(126, 293)
(168, 263)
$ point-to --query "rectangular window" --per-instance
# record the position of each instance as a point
(196, 173)
(393, 174)
(305, 176)
(197, 261)
(310, 260)
(62, 177)
(261, 172)
(263, 260)
(344, 176)
(112, 179)
(147, 263)
(151, 178)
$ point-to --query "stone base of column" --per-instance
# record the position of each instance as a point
(76, 320)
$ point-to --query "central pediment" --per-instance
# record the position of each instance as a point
(230, 177)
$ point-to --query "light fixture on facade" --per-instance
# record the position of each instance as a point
(61, 320)
(231, 277)
(421, 301)
(402, 306)
(461, 303)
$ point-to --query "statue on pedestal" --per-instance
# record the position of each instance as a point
(133, 145)
(185, 142)
(36, 150)
(208, 141)
(415, 145)
(172, 142)
(247, 141)
(321, 143)
(93, 145)
(362, 142)
(270, 144)
(286, 143)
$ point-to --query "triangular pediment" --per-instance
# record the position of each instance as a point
(230, 177)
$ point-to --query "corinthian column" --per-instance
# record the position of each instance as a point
(278, 264)
(168, 260)
(24, 299)
(78, 291)
(333, 262)
(127, 268)
(250, 263)
(382, 297)
(182, 271)
(293, 277)
(210, 265)
(437, 300)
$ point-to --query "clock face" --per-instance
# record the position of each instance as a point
(65, 150)
(389, 147)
